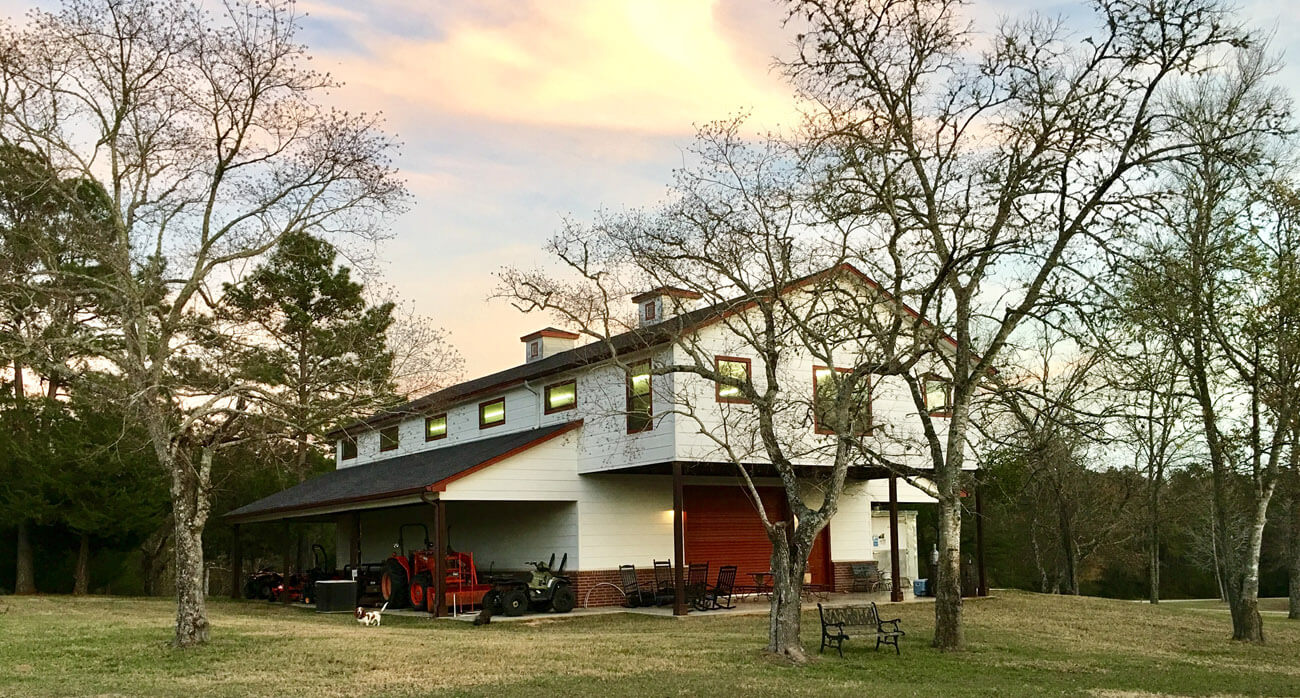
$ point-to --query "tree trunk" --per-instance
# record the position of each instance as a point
(191, 605)
(190, 510)
(948, 633)
(1247, 626)
(1153, 572)
(151, 551)
(1293, 607)
(24, 577)
(1153, 546)
(786, 610)
(81, 576)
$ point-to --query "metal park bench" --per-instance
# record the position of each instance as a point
(861, 620)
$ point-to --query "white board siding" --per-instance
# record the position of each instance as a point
(625, 519)
(548, 471)
(606, 445)
(907, 492)
(851, 528)
(898, 432)
(507, 535)
(379, 529)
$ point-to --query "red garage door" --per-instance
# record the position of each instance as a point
(723, 528)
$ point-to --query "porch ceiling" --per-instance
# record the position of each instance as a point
(400, 479)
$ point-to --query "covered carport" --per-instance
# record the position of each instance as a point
(369, 498)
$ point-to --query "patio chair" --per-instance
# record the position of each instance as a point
(632, 591)
(866, 576)
(719, 595)
(697, 581)
(665, 585)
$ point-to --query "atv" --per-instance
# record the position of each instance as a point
(545, 590)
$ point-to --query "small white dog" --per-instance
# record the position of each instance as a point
(371, 618)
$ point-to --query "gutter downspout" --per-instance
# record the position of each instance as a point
(540, 407)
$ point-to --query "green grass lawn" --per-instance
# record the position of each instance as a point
(1020, 644)
(1267, 605)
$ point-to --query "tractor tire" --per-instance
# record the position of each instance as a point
(514, 602)
(491, 602)
(564, 600)
(392, 585)
(419, 592)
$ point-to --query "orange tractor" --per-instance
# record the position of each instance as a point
(407, 577)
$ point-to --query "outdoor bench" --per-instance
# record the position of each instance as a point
(839, 622)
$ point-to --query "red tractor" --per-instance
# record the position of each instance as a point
(407, 578)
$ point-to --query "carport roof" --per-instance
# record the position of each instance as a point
(410, 474)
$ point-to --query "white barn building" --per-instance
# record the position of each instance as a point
(555, 455)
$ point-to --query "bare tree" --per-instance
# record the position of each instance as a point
(203, 130)
(769, 287)
(1219, 283)
(1151, 416)
(1048, 415)
(984, 171)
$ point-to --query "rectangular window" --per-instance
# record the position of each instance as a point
(535, 348)
(826, 384)
(561, 396)
(732, 367)
(648, 310)
(492, 413)
(349, 448)
(640, 403)
(938, 395)
(435, 427)
(388, 438)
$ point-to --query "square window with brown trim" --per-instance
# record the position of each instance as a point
(349, 448)
(826, 384)
(938, 395)
(640, 401)
(492, 413)
(561, 396)
(435, 427)
(736, 368)
(388, 438)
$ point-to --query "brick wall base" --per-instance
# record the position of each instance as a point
(843, 572)
(590, 581)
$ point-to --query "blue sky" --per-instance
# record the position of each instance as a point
(517, 113)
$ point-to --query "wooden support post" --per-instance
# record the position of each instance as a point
(982, 589)
(288, 558)
(236, 565)
(896, 589)
(439, 604)
(354, 540)
(679, 544)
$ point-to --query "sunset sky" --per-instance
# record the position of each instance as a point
(517, 113)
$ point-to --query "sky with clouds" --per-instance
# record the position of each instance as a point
(517, 113)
